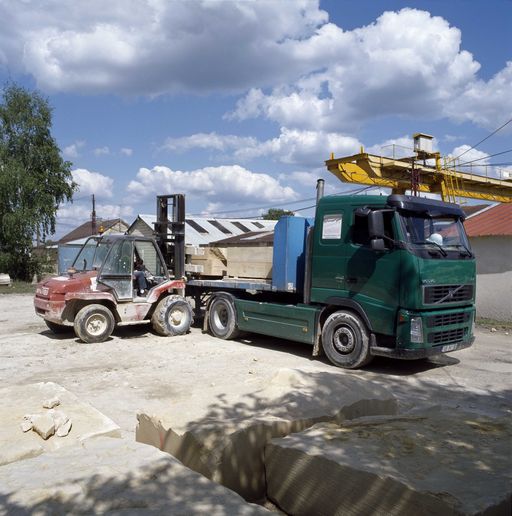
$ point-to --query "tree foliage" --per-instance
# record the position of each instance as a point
(34, 179)
(276, 214)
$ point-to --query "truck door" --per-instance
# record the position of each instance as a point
(373, 276)
(329, 256)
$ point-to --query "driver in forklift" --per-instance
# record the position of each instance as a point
(139, 275)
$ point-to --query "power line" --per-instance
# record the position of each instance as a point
(255, 208)
(482, 141)
(503, 164)
(484, 157)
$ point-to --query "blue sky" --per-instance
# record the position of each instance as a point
(238, 103)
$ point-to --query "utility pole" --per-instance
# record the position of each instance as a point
(93, 216)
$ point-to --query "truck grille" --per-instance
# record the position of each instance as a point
(447, 319)
(445, 337)
(440, 294)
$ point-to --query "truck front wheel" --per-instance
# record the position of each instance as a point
(94, 323)
(345, 340)
(172, 316)
(222, 318)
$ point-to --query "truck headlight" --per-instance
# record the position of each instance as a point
(416, 330)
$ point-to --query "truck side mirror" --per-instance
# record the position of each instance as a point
(376, 224)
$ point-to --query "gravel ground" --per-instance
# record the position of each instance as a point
(196, 373)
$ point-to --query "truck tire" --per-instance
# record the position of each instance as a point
(58, 328)
(94, 323)
(345, 340)
(172, 316)
(222, 318)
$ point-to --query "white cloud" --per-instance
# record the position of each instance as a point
(72, 151)
(390, 67)
(126, 151)
(212, 141)
(305, 72)
(471, 161)
(307, 148)
(487, 104)
(73, 215)
(154, 46)
(393, 148)
(102, 151)
(92, 182)
(225, 184)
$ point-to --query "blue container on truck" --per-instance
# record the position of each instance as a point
(289, 254)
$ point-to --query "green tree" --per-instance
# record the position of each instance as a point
(34, 179)
(276, 214)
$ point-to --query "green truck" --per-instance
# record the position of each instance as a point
(369, 275)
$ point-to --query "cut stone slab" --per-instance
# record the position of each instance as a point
(113, 476)
(227, 444)
(439, 463)
(20, 400)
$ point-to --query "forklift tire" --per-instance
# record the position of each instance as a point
(94, 323)
(222, 318)
(172, 316)
(345, 340)
(58, 328)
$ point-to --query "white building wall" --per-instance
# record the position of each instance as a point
(494, 277)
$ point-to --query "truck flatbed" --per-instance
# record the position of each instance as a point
(233, 283)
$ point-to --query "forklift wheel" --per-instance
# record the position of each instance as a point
(94, 323)
(172, 316)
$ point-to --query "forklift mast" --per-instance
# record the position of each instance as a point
(170, 231)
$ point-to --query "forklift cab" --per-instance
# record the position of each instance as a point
(114, 258)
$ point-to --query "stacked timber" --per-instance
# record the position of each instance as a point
(242, 256)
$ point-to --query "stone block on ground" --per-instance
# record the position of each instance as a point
(19, 401)
(438, 463)
(227, 444)
(113, 476)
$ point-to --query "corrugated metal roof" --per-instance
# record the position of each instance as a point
(201, 230)
(493, 221)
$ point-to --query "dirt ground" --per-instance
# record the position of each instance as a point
(196, 373)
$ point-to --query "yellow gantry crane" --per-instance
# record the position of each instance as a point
(415, 175)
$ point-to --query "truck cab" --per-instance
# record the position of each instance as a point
(402, 266)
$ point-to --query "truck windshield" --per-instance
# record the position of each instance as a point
(92, 255)
(442, 233)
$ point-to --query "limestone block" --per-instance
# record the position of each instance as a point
(439, 463)
(113, 476)
(227, 445)
(64, 429)
(44, 425)
(52, 402)
(22, 400)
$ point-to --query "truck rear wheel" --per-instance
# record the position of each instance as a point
(345, 340)
(172, 316)
(94, 323)
(222, 318)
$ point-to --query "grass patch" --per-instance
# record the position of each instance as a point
(18, 287)
(483, 322)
